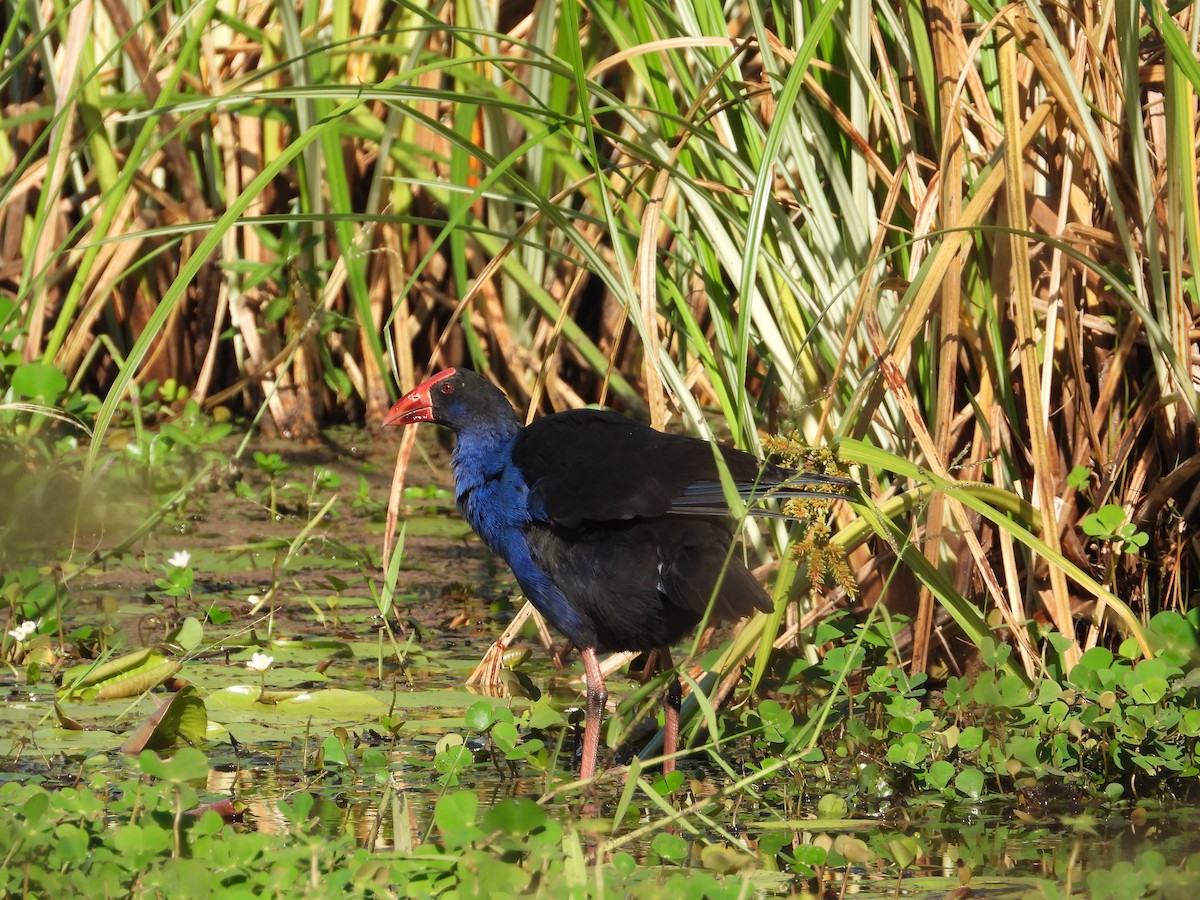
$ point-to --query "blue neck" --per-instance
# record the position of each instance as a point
(481, 454)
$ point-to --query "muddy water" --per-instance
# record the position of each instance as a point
(298, 586)
(287, 564)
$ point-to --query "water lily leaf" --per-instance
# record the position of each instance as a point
(311, 652)
(69, 742)
(189, 634)
(238, 696)
(333, 702)
(275, 697)
(93, 673)
(140, 681)
(181, 719)
(127, 676)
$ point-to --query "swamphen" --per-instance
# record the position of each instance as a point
(611, 528)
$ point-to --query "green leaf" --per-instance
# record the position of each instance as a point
(671, 847)
(180, 719)
(336, 703)
(188, 764)
(333, 752)
(666, 785)
(772, 842)
(1176, 40)
(811, 855)
(1096, 658)
(478, 716)
(35, 807)
(903, 850)
(190, 634)
(1175, 637)
(777, 720)
(515, 817)
(1080, 475)
(39, 381)
(623, 864)
(969, 783)
(939, 774)
(832, 806)
(971, 738)
(455, 811)
(505, 736)
(1105, 521)
(485, 875)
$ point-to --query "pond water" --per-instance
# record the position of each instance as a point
(285, 549)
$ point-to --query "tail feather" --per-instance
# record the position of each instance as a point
(708, 497)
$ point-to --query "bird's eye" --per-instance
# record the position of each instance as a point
(447, 388)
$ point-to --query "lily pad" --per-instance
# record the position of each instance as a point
(332, 703)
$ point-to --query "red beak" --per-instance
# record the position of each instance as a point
(417, 405)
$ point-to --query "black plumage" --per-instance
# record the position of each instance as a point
(612, 529)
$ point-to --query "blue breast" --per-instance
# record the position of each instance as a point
(493, 497)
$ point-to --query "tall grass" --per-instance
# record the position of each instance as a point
(958, 241)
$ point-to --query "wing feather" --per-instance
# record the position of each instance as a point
(596, 466)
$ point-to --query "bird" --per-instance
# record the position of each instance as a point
(613, 530)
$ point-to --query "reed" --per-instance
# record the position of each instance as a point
(943, 234)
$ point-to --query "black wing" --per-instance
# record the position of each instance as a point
(591, 465)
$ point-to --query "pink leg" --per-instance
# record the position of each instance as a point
(597, 696)
(672, 701)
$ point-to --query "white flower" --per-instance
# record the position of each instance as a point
(253, 599)
(180, 559)
(25, 630)
(260, 662)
